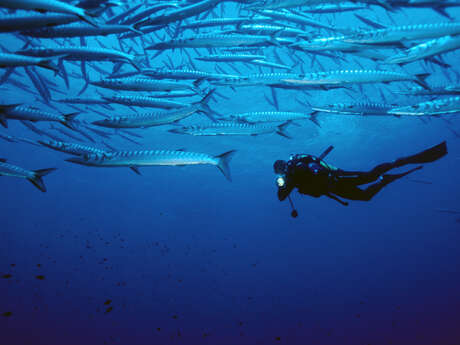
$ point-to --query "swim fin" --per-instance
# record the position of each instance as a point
(388, 178)
(430, 155)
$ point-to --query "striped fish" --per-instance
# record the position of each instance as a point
(34, 176)
(136, 159)
(233, 129)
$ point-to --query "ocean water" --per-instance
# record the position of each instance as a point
(179, 255)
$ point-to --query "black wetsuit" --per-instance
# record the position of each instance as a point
(312, 176)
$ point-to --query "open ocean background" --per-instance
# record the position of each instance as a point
(188, 258)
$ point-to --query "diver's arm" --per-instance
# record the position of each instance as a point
(344, 203)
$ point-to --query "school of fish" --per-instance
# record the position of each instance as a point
(167, 61)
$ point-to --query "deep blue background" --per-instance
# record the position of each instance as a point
(188, 258)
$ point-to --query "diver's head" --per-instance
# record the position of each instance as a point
(280, 167)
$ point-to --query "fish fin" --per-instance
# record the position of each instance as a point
(87, 83)
(132, 28)
(63, 72)
(49, 64)
(6, 75)
(421, 77)
(314, 118)
(136, 170)
(37, 180)
(442, 11)
(86, 18)
(68, 118)
(109, 146)
(3, 121)
(282, 130)
(370, 22)
(222, 163)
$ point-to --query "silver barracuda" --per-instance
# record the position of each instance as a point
(267, 116)
(34, 21)
(180, 13)
(158, 118)
(81, 54)
(19, 112)
(359, 108)
(230, 57)
(425, 50)
(47, 6)
(71, 148)
(136, 159)
(79, 30)
(141, 101)
(142, 84)
(442, 106)
(215, 41)
(402, 33)
(16, 60)
(340, 78)
(226, 128)
(34, 176)
(432, 91)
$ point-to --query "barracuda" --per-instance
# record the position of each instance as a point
(142, 84)
(81, 54)
(185, 74)
(136, 159)
(215, 41)
(425, 50)
(159, 118)
(258, 79)
(78, 30)
(268, 116)
(16, 60)
(71, 148)
(223, 21)
(344, 77)
(19, 112)
(31, 21)
(140, 101)
(230, 57)
(294, 18)
(404, 33)
(449, 105)
(269, 30)
(432, 91)
(180, 13)
(233, 129)
(47, 6)
(34, 176)
(360, 108)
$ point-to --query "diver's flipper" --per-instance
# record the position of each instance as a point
(388, 178)
(326, 152)
(430, 155)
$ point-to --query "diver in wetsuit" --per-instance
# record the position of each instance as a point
(312, 176)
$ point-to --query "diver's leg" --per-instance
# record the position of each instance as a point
(353, 192)
(427, 156)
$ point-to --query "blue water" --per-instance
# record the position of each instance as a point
(185, 257)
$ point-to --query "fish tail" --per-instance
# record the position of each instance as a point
(37, 180)
(68, 119)
(223, 163)
(49, 64)
(421, 80)
(282, 130)
(204, 107)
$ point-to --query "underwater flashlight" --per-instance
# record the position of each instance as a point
(280, 181)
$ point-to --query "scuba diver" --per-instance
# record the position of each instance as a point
(312, 176)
